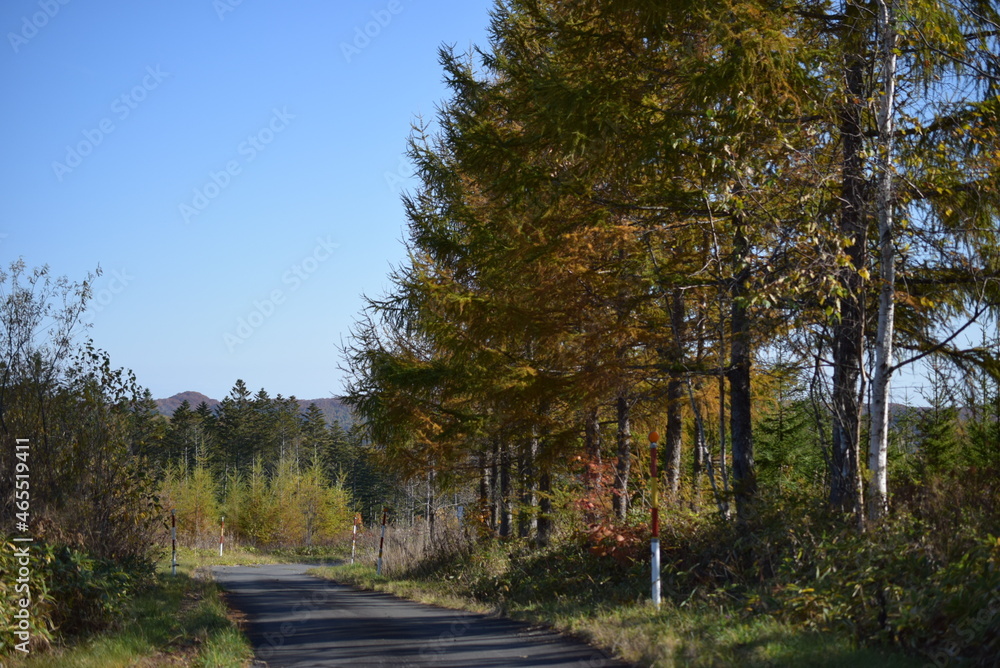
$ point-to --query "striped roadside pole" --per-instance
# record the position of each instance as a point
(222, 534)
(654, 544)
(173, 542)
(354, 535)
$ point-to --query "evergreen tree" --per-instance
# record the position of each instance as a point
(788, 452)
(207, 431)
(182, 440)
(316, 438)
(235, 438)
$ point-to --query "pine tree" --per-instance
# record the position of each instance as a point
(235, 436)
(317, 439)
(182, 440)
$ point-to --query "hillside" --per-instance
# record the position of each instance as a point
(169, 405)
(333, 408)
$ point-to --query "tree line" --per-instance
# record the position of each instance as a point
(634, 214)
(256, 437)
(100, 461)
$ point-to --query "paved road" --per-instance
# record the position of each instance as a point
(296, 619)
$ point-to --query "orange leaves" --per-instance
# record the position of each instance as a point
(623, 544)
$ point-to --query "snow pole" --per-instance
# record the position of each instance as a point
(654, 544)
(354, 534)
(222, 533)
(173, 542)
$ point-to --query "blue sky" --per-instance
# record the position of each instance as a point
(234, 167)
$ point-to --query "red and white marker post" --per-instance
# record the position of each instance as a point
(654, 544)
(173, 542)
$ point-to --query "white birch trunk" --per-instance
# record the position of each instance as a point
(878, 491)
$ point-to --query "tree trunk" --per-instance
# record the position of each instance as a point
(506, 500)
(723, 467)
(620, 500)
(740, 427)
(545, 520)
(430, 509)
(848, 344)
(700, 451)
(674, 436)
(527, 519)
(592, 445)
(485, 487)
(878, 501)
(495, 486)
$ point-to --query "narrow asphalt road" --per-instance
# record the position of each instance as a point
(294, 619)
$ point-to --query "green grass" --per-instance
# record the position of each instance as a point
(622, 622)
(181, 621)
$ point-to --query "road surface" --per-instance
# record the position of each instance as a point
(294, 619)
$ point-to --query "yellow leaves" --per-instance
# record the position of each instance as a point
(915, 302)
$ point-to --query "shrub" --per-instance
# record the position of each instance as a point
(71, 593)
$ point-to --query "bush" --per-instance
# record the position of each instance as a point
(71, 593)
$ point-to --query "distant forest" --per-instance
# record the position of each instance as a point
(333, 408)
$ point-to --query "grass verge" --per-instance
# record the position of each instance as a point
(617, 619)
(181, 621)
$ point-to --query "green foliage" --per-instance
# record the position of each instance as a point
(887, 589)
(250, 507)
(193, 496)
(292, 508)
(179, 620)
(88, 427)
(71, 592)
(940, 443)
(603, 599)
(787, 449)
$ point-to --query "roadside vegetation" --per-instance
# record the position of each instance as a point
(174, 620)
(799, 588)
(92, 476)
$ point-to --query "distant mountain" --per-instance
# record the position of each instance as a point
(333, 409)
(168, 406)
